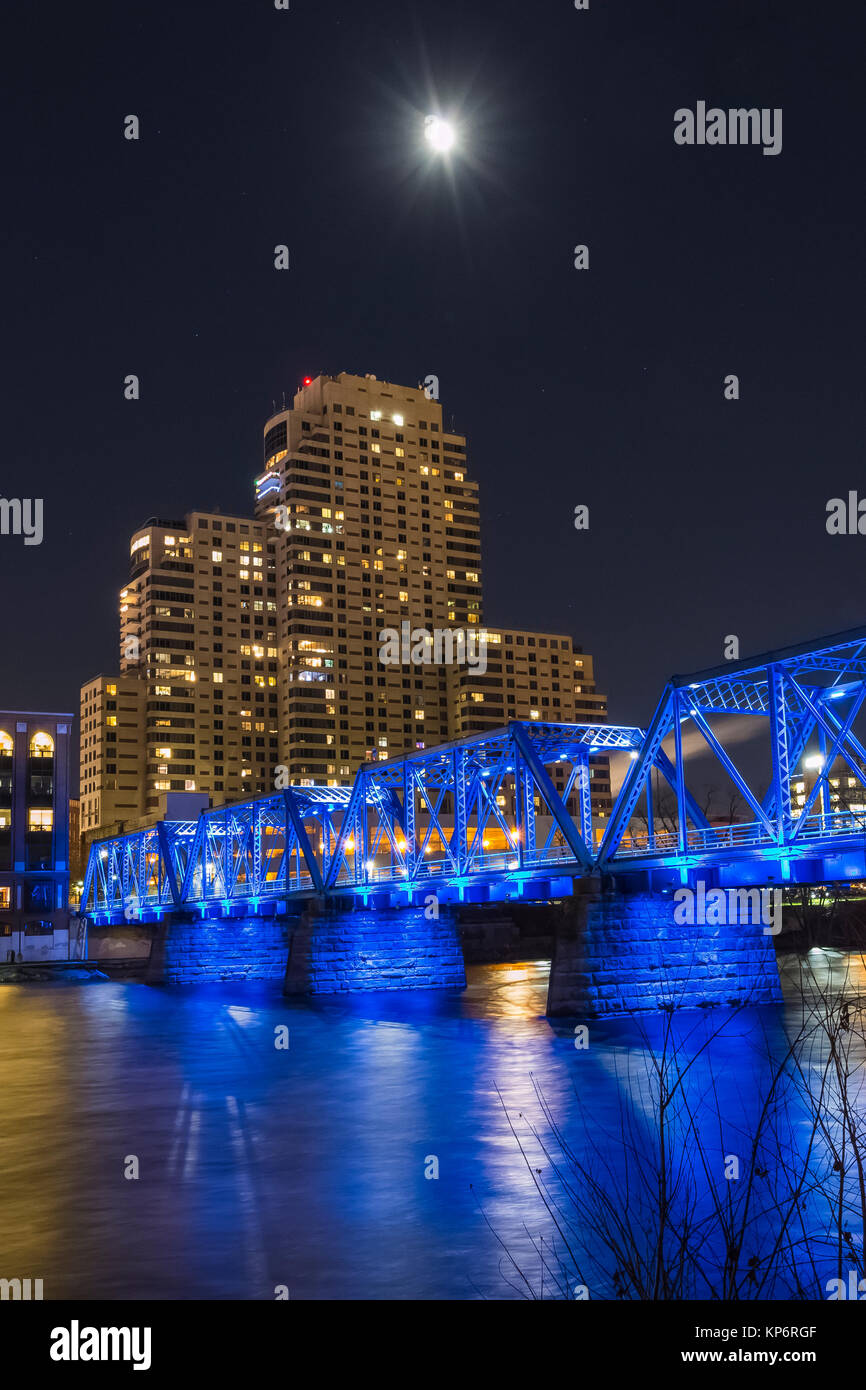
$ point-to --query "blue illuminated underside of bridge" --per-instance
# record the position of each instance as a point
(417, 825)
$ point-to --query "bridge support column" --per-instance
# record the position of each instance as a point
(343, 949)
(617, 953)
(189, 950)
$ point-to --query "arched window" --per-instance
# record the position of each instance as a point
(42, 746)
(6, 744)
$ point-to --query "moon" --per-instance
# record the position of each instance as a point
(439, 134)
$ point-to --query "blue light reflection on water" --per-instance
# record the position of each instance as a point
(305, 1167)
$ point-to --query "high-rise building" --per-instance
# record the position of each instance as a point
(252, 644)
(377, 524)
(195, 705)
(111, 760)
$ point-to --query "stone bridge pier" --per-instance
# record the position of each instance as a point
(336, 949)
(617, 953)
(313, 947)
(613, 952)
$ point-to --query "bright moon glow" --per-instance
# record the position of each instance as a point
(440, 134)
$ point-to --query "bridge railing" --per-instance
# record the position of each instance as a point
(742, 835)
(736, 836)
(488, 863)
(833, 823)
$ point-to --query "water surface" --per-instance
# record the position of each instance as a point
(303, 1167)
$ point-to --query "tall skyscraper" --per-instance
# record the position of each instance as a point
(253, 644)
(377, 524)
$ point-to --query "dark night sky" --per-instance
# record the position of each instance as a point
(261, 127)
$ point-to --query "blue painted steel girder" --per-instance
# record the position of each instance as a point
(392, 824)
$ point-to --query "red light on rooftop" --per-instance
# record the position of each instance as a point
(308, 381)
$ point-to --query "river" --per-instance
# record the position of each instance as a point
(304, 1167)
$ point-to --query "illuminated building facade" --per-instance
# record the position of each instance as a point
(841, 792)
(248, 645)
(536, 676)
(34, 834)
(380, 525)
(111, 750)
(194, 708)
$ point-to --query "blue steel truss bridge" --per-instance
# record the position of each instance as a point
(509, 814)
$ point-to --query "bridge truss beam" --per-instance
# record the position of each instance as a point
(513, 805)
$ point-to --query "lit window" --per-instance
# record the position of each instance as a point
(216, 556)
(6, 744)
(39, 818)
(217, 677)
(398, 420)
(111, 690)
(42, 746)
